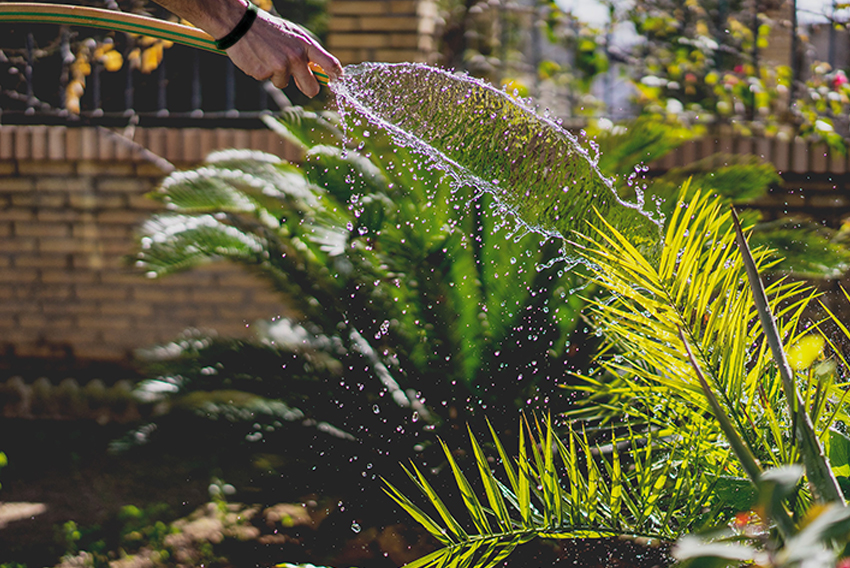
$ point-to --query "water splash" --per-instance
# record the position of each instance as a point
(486, 139)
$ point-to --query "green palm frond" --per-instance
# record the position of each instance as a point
(240, 181)
(807, 249)
(698, 286)
(559, 490)
(739, 178)
(368, 244)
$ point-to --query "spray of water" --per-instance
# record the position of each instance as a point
(484, 138)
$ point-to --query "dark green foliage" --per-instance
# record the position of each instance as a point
(412, 301)
(738, 178)
(807, 248)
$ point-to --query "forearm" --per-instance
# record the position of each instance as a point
(270, 48)
(216, 17)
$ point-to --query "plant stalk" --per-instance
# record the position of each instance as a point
(818, 471)
(783, 521)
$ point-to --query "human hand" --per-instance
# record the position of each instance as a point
(278, 50)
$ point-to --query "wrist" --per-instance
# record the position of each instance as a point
(240, 29)
(225, 17)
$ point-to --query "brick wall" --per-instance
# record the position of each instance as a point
(70, 201)
(388, 31)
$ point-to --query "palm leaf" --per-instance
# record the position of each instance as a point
(491, 486)
(699, 287)
(418, 515)
(603, 498)
(186, 241)
(695, 298)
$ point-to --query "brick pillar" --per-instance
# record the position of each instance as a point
(389, 31)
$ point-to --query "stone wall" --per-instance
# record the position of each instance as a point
(70, 203)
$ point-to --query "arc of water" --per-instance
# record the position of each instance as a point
(495, 143)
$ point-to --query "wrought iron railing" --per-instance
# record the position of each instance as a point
(188, 87)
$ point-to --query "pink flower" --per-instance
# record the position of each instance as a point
(839, 79)
(739, 68)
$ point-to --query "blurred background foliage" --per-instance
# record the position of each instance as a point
(82, 54)
(746, 63)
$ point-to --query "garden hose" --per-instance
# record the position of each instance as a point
(58, 14)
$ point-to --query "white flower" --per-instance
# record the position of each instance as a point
(653, 81)
(674, 106)
(823, 126)
(604, 124)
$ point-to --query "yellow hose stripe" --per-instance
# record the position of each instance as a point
(106, 19)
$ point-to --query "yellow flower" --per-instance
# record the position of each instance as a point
(102, 50)
(134, 58)
(73, 92)
(112, 61)
(151, 58)
(81, 67)
(146, 41)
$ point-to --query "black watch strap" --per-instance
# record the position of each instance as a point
(240, 30)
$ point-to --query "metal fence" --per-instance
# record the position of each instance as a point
(188, 88)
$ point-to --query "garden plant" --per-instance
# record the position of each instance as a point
(425, 306)
(694, 355)
(647, 454)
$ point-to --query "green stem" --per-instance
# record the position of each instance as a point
(817, 464)
(745, 457)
